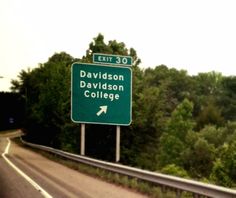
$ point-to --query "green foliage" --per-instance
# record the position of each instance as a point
(203, 157)
(181, 120)
(198, 157)
(175, 170)
(228, 98)
(209, 83)
(113, 47)
(46, 90)
(219, 174)
(69, 138)
(172, 142)
(209, 115)
(229, 160)
(170, 150)
(213, 135)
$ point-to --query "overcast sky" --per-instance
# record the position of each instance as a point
(194, 35)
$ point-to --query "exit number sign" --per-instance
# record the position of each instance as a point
(112, 59)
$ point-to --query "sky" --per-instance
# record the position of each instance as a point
(193, 35)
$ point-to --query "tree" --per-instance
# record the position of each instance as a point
(173, 141)
(213, 135)
(113, 47)
(12, 110)
(181, 120)
(170, 150)
(46, 90)
(145, 131)
(208, 83)
(224, 169)
(207, 87)
(228, 98)
(229, 160)
(219, 174)
(204, 155)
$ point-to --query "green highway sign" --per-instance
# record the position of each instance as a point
(101, 94)
(112, 59)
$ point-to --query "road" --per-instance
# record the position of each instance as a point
(36, 176)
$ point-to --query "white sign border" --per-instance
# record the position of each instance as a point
(107, 63)
(102, 123)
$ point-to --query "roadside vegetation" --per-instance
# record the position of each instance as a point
(134, 184)
(182, 125)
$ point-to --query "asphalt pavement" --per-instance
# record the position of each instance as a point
(34, 176)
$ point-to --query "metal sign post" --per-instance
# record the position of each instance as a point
(82, 140)
(117, 143)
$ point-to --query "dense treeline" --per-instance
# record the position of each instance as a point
(12, 110)
(182, 125)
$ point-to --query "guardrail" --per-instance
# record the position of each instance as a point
(198, 189)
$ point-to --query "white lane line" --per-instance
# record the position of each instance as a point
(33, 183)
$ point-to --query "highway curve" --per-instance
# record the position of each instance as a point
(46, 178)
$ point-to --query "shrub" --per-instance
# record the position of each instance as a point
(175, 170)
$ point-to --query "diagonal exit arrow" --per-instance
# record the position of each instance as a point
(103, 109)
